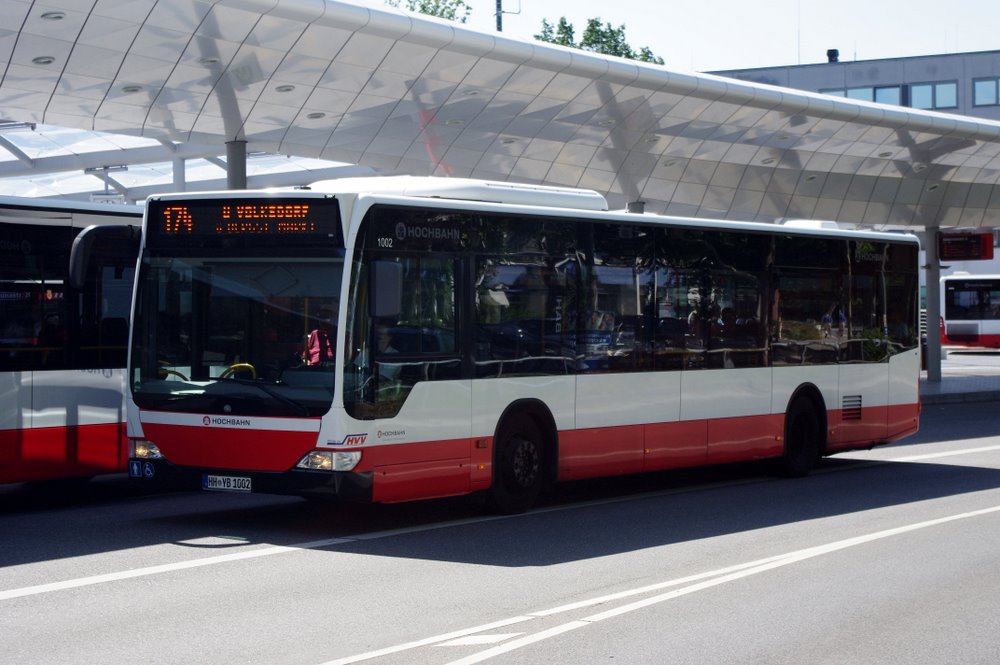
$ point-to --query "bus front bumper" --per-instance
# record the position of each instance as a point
(161, 474)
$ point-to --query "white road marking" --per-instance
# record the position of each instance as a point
(149, 570)
(223, 558)
(428, 641)
(949, 453)
(281, 549)
(716, 579)
(478, 640)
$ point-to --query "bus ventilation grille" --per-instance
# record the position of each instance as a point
(851, 408)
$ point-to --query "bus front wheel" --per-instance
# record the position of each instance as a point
(803, 439)
(518, 466)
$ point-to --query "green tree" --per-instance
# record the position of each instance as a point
(453, 10)
(598, 38)
(562, 34)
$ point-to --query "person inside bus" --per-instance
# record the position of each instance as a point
(322, 339)
(387, 372)
(383, 340)
(725, 324)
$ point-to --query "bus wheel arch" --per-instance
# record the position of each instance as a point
(804, 432)
(524, 455)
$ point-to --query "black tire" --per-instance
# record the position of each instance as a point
(803, 439)
(518, 466)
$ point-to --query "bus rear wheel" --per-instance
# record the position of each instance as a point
(518, 466)
(803, 439)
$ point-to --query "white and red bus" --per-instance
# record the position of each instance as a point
(62, 347)
(496, 337)
(971, 307)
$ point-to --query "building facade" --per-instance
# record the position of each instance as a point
(960, 83)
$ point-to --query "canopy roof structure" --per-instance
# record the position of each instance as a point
(403, 93)
(61, 162)
(372, 89)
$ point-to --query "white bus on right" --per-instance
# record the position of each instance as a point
(970, 306)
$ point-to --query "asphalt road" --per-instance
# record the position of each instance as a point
(886, 556)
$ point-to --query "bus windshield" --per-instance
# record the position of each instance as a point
(240, 336)
(972, 299)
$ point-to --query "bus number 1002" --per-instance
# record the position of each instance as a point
(385, 243)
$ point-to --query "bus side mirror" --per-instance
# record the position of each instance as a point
(386, 290)
(115, 244)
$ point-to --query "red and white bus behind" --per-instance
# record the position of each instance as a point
(971, 306)
(497, 337)
(62, 348)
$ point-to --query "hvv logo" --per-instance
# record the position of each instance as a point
(354, 440)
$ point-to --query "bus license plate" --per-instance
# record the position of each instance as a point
(227, 483)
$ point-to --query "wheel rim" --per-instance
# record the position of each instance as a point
(524, 463)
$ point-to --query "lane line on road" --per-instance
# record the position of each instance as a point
(926, 456)
(146, 571)
(91, 580)
(749, 569)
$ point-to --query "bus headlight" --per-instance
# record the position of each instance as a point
(330, 460)
(143, 449)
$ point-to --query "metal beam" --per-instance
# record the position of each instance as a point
(145, 155)
(286, 179)
(17, 152)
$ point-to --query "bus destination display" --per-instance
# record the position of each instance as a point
(245, 222)
(242, 218)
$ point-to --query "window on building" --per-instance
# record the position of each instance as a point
(883, 94)
(889, 94)
(864, 94)
(984, 92)
(938, 95)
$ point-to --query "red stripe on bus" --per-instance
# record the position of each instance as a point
(62, 452)
(877, 424)
(972, 339)
(620, 450)
(430, 469)
(226, 448)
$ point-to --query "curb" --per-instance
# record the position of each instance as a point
(961, 398)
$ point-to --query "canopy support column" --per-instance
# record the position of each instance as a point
(180, 176)
(932, 272)
(236, 164)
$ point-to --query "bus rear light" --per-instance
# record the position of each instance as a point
(143, 449)
(329, 460)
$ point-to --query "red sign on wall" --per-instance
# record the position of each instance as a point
(965, 246)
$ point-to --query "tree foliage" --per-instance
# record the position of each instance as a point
(598, 38)
(453, 10)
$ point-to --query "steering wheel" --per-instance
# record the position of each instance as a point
(232, 369)
(167, 372)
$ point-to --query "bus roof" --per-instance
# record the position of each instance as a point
(64, 205)
(463, 189)
(557, 201)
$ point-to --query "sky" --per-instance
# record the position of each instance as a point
(711, 35)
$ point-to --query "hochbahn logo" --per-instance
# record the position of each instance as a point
(13, 246)
(404, 232)
(228, 422)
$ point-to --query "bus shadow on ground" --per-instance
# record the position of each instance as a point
(590, 520)
(576, 521)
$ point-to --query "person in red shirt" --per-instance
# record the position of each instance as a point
(323, 339)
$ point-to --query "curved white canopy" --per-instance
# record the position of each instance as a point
(403, 93)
